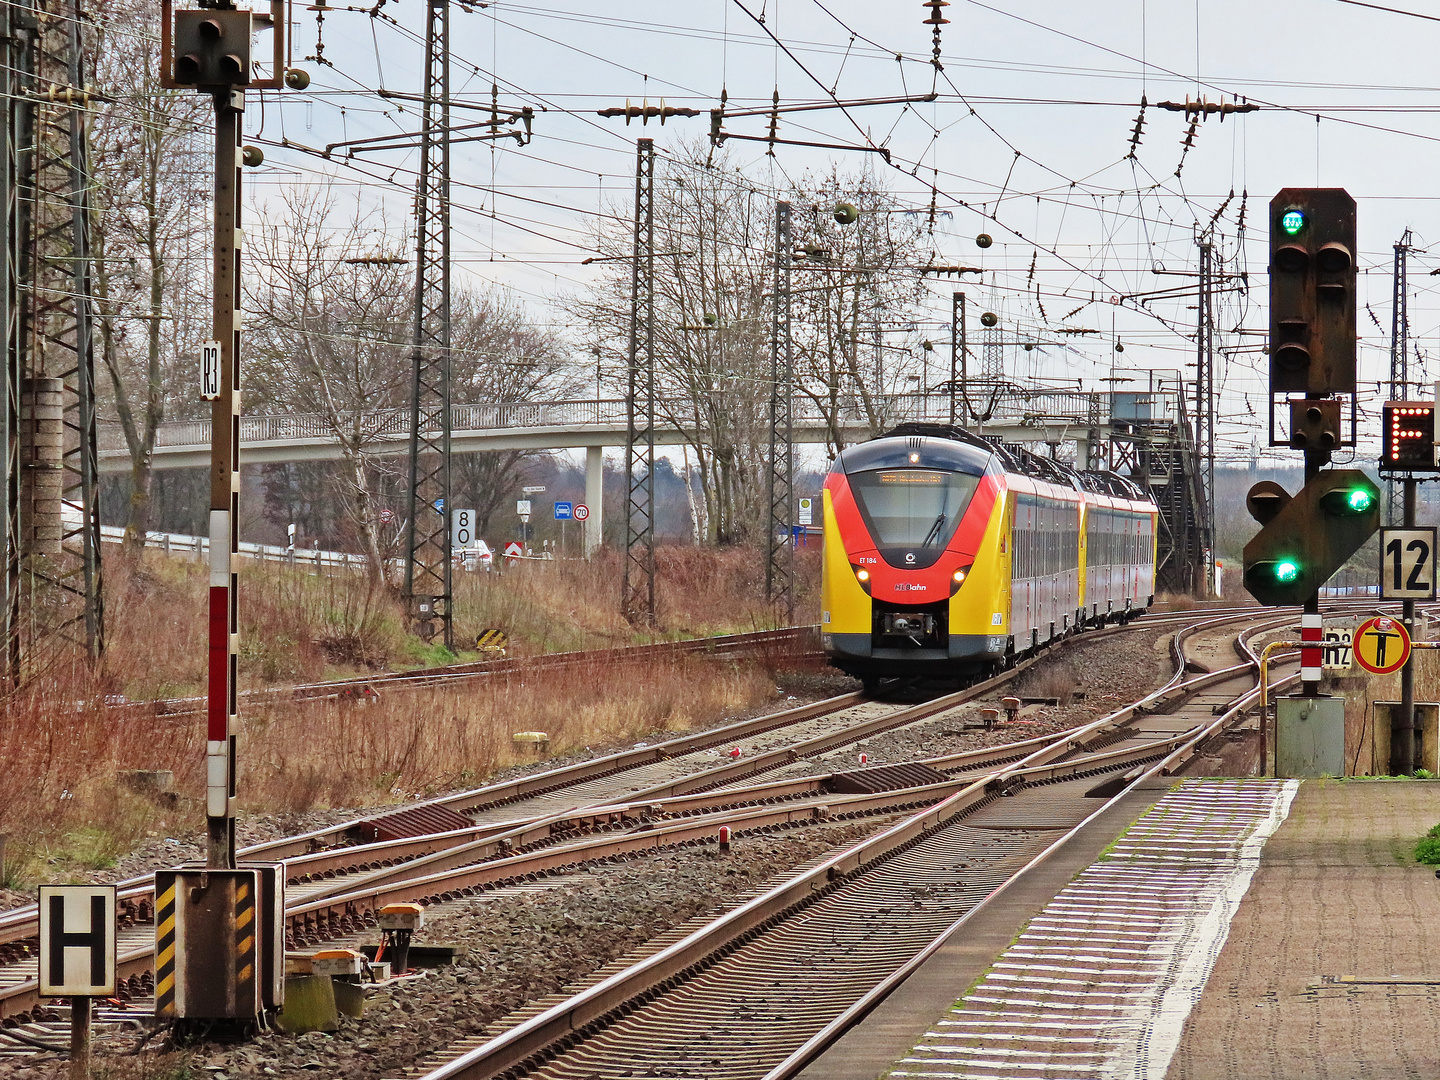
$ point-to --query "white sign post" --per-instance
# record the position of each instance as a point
(1407, 564)
(807, 512)
(1337, 654)
(209, 370)
(77, 956)
(462, 528)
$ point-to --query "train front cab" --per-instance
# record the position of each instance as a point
(913, 620)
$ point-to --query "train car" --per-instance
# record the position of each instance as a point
(948, 555)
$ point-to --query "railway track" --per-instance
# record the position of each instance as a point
(764, 988)
(783, 644)
(336, 883)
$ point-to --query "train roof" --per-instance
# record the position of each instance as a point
(949, 447)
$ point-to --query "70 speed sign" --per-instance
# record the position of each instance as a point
(1407, 564)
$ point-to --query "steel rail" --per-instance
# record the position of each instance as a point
(137, 961)
(592, 1005)
(21, 923)
(18, 998)
(461, 852)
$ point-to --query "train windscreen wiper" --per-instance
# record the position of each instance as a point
(934, 533)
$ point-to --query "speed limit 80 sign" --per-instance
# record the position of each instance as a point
(1407, 564)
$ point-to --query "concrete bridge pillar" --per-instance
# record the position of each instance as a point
(594, 496)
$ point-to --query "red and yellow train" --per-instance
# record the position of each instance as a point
(950, 556)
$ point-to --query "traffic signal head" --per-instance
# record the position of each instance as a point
(1315, 424)
(1407, 437)
(1312, 292)
(211, 48)
(1265, 500)
(1310, 536)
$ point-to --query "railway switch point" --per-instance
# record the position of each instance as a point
(724, 840)
(398, 922)
(336, 963)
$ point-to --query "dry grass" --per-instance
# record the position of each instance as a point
(559, 606)
(296, 626)
(419, 743)
(63, 746)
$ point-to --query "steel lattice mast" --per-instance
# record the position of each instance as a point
(780, 543)
(637, 587)
(958, 360)
(427, 559)
(53, 526)
(1203, 558)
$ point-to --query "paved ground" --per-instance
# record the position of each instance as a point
(1332, 965)
(1100, 982)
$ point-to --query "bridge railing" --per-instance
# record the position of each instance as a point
(1004, 402)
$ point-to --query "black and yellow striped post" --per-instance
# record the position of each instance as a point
(245, 953)
(492, 640)
(165, 949)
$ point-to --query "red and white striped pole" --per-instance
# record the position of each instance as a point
(1311, 636)
(224, 491)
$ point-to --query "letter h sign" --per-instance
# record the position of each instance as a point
(77, 940)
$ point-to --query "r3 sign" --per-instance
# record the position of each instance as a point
(1407, 564)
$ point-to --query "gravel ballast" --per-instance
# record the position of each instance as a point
(514, 949)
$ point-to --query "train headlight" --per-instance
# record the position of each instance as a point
(958, 578)
(863, 577)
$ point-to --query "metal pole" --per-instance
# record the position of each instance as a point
(1402, 727)
(1311, 632)
(637, 585)
(780, 561)
(1399, 345)
(220, 706)
(79, 1038)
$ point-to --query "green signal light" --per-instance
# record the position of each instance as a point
(1292, 221)
(1359, 500)
(1286, 571)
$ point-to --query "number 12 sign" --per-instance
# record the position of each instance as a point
(1407, 564)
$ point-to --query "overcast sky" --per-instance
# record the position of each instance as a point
(1036, 106)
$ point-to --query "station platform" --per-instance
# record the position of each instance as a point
(1197, 930)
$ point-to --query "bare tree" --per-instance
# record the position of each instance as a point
(498, 354)
(330, 320)
(148, 154)
(860, 289)
(712, 324)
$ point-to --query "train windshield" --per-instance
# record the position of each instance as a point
(912, 508)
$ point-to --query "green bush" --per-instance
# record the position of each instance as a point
(1427, 848)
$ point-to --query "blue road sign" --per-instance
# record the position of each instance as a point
(564, 511)
(439, 505)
